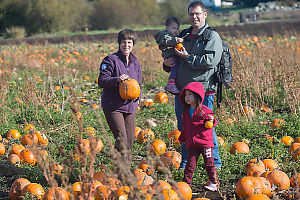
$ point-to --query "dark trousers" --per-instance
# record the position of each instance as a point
(193, 157)
(122, 125)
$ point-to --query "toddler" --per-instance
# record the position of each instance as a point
(167, 40)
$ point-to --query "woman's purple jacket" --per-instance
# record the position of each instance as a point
(113, 66)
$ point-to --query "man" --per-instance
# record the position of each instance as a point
(197, 62)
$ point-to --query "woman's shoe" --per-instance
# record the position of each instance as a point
(211, 186)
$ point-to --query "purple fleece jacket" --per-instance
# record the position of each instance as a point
(113, 66)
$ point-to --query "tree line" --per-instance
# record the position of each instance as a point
(39, 16)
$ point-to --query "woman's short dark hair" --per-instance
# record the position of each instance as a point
(170, 20)
(127, 34)
(197, 3)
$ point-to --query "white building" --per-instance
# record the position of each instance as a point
(211, 3)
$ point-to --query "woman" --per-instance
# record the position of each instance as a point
(120, 113)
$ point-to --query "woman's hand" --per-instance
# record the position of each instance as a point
(181, 53)
(211, 118)
(170, 62)
(122, 78)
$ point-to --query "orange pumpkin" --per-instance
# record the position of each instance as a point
(183, 189)
(248, 111)
(161, 185)
(56, 193)
(253, 166)
(161, 97)
(287, 140)
(158, 147)
(2, 149)
(17, 187)
(0, 138)
(86, 78)
(270, 164)
(209, 124)
(295, 181)
(146, 166)
(27, 156)
(129, 89)
(42, 138)
(297, 140)
(100, 176)
(29, 139)
(136, 131)
(29, 128)
(14, 159)
(13, 134)
(144, 179)
(16, 149)
(221, 141)
(258, 197)
(99, 144)
(296, 154)
(265, 185)
(248, 186)
(77, 188)
(146, 136)
(239, 147)
(179, 46)
(277, 123)
(280, 179)
(122, 192)
(266, 108)
(173, 136)
(102, 192)
(294, 147)
(170, 195)
(91, 130)
(265, 174)
(34, 190)
(171, 159)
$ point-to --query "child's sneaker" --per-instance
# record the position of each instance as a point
(211, 186)
(171, 87)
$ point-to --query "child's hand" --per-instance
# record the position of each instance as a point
(178, 39)
(211, 118)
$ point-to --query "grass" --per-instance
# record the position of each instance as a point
(265, 73)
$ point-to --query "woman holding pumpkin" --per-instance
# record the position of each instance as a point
(120, 113)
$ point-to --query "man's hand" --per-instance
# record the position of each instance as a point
(122, 78)
(170, 62)
(182, 53)
(178, 39)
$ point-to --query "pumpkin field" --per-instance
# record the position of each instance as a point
(55, 142)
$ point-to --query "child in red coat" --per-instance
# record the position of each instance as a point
(197, 132)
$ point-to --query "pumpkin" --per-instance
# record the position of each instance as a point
(29, 128)
(221, 141)
(17, 187)
(294, 147)
(280, 179)
(209, 124)
(13, 134)
(2, 149)
(16, 149)
(277, 123)
(158, 147)
(146, 136)
(136, 131)
(248, 186)
(113, 183)
(86, 78)
(258, 197)
(287, 140)
(265, 174)
(171, 159)
(147, 102)
(56, 168)
(99, 144)
(161, 185)
(143, 179)
(145, 166)
(247, 111)
(179, 46)
(84, 100)
(239, 147)
(183, 189)
(173, 136)
(14, 159)
(91, 130)
(100, 176)
(42, 138)
(265, 185)
(0, 138)
(297, 139)
(122, 192)
(57, 87)
(161, 97)
(55, 107)
(129, 89)
(270, 164)
(229, 121)
(295, 181)
(29, 139)
(170, 195)
(34, 190)
(253, 166)
(77, 188)
(102, 192)
(90, 186)
(27, 156)
(137, 170)
(296, 154)
(56, 193)
(266, 108)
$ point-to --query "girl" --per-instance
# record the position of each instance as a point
(199, 139)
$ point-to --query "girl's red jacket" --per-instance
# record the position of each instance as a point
(194, 132)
